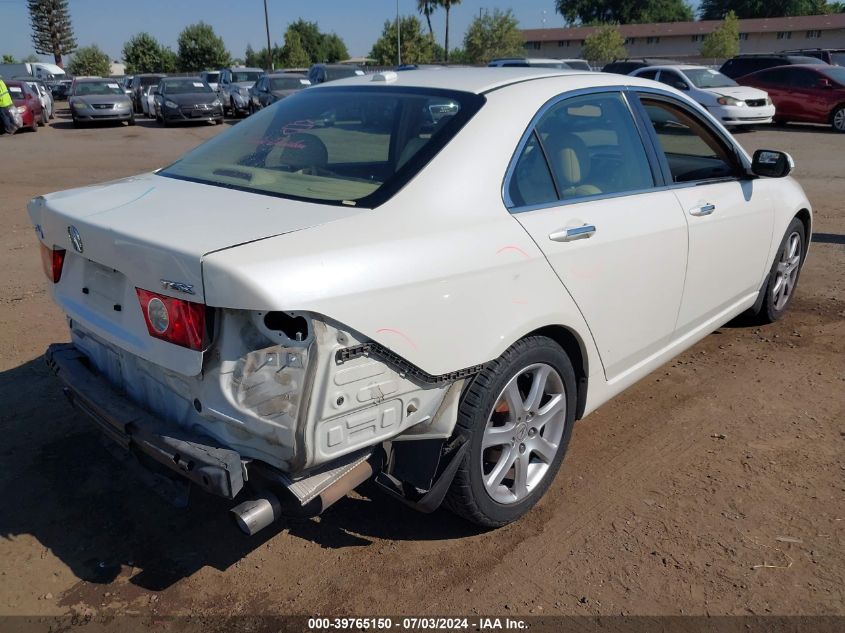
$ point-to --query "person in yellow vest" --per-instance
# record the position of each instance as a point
(5, 113)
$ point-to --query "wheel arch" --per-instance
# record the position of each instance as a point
(807, 221)
(574, 348)
(834, 110)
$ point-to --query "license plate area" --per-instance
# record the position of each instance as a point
(103, 287)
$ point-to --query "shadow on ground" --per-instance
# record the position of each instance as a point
(60, 485)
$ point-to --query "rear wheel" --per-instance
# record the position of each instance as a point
(783, 277)
(43, 118)
(517, 416)
(838, 119)
(131, 120)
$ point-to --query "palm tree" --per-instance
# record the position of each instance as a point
(447, 5)
(426, 8)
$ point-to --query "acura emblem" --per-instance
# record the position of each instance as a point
(75, 238)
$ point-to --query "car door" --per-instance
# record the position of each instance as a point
(811, 104)
(584, 188)
(730, 219)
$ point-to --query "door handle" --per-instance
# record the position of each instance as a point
(573, 233)
(706, 209)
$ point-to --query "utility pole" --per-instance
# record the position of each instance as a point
(398, 36)
(267, 26)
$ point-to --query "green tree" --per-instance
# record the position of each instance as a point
(605, 44)
(623, 11)
(744, 9)
(200, 48)
(29, 59)
(416, 45)
(447, 6)
(334, 48)
(142, 54)
(169, 60)
(724, 41)
(52, 33)
(8, 59)
(493, 35)
(293, 54)
(251, 58)
(426, 8)
(319, 46)
(90, 60)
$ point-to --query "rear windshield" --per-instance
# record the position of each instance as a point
(212, 77)
(838, 58)
(184, 86)
(707, 78)
(355, 146)
(149, 81)
(97, 88)
(287, 83)
(241, 77)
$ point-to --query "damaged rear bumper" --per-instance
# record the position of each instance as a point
(198, 459)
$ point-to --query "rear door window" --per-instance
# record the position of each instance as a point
(588, 145)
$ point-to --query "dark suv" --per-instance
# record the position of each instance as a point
(744, 64)
(321, 73)
(627, 66)
(832, 56)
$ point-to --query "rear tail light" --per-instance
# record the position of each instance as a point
(174, 320)
(52, 259)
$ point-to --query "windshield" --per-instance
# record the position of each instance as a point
(149, 81)
(287, 83)
(352, 146)
(185, 86)
(835, 73)
(707, 78)
(97, 88)
(837, 58)
(242, 77)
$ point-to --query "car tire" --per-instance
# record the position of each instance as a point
(503, 476)
(233, 108)
(837, 120)
(784, 274)
(218, 121)
(131, 121)
(43, 118)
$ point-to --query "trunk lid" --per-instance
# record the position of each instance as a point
(140, 232)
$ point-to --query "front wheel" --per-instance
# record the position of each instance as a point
(783, 276)
(838, 120)
(517, 416)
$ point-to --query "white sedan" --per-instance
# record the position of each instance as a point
(730, 103)
(422, 277)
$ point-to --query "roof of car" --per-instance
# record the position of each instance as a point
(672, 67)
(477, 80)
(279, 75)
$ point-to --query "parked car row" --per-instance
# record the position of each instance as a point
(753, 89)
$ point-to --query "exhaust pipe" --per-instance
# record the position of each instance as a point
(256, 514)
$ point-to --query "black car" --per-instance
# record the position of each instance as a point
(139, 82)
(321, 73)
(832, 56)
(742, 65)
(271, 88)
(629, 65)
(186, 99)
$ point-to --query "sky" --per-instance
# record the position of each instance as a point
(109, 23)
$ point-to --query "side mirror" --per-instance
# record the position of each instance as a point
(825, 83)
(681, 85)
(772, 163)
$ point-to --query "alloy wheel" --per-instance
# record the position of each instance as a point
(786, 273)
(839, 120)
(523, 433)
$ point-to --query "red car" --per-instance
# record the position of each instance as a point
(27, 103)
(804, 93)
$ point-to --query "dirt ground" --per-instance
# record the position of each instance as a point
(714, 486)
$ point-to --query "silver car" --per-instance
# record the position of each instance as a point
(98, 99)
(233, 88)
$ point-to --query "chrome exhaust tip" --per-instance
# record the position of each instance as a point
(254, 515)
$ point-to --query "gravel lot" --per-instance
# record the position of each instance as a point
(714, 486)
